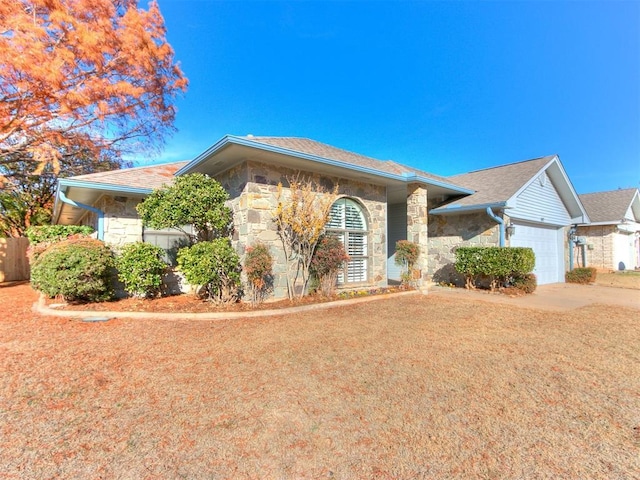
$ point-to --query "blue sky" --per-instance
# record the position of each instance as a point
(447, 87)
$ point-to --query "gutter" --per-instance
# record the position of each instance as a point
(97, 211)
(500, 223)
(467, 208)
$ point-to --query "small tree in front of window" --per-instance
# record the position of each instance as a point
(328, 260)
(300, 217)
(407, 255)
(210, 262)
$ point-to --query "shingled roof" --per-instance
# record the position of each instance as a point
(150, 177)
(498, 184)
(312, 147)
(611, 206)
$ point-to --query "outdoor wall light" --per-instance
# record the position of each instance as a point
(511, 229)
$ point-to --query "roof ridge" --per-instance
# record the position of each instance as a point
(504, 165)
(609, 191)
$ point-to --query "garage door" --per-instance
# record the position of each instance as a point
(546, 243)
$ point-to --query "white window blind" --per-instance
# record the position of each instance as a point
(348, 223)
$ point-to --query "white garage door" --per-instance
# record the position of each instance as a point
(546, 243)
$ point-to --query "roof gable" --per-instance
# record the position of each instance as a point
(613, 206)
(501, 186)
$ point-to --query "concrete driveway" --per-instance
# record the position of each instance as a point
(556, 296)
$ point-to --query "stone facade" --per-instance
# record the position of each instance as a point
(253, 189)
(418, 222)
(448, 232)
(121, 222)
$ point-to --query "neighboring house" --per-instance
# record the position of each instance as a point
(535, 205)
(380, 202)
(611, 241)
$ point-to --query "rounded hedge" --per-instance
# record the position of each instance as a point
(140, 268)
(214, 265)
(79, 270)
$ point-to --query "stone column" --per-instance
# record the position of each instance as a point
(417, 222)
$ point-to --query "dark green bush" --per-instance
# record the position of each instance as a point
(52, 233)
(140, 268)
(79, 270)
(213, 265)
(328, 259)
(258, 266)
(581, 275)
(498, 263)
(526, 283)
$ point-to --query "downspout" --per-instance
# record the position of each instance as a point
(572, 238)
(500, 223)
(95, 210)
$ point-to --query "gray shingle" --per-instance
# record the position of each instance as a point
(498, 184)
(608, 206)
(150, 177)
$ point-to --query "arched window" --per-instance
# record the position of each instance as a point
(348, 222)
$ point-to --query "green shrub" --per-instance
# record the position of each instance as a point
(213, 265)
(526, 283)
(258, 266)
(52, 233)
(581, 275)
(328, 259)
(140, 269)
(407, 254)
(79, 270)
(498, 263)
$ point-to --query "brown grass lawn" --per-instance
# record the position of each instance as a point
(409, 387)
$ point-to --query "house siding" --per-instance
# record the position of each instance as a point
(253, 188)
(540, 202)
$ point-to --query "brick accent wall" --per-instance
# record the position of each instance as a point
(599, 245)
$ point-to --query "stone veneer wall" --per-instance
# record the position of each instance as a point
(599, 245)
(418, 222)
(121, 222)
(447, 232)
(252, 187)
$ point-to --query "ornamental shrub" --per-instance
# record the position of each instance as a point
(43, 236)
(79, 270)
(53, 233)
(328, 259)
(213, 265)
(140, 268)
(258, 266)
(499, 264)
(583, 275)
(407, 254)
(526, 283)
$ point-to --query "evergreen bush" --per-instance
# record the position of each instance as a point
(213, 265)
(526, 283)
(52, 233)
(79, 270)
(500, 264)
(140, 268)
(584, 275)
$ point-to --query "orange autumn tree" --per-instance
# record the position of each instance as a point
(95, 74)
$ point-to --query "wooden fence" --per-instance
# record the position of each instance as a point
(14, 264)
